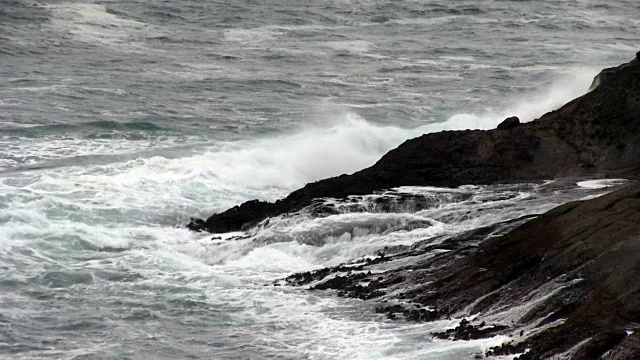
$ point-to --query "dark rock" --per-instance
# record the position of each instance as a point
(507, 349)
(410, 313)
(577, 263)
(509, 123)
(587, 251)
(239, 217)
(600, 344)
(583, 253)
(612, 72)
(466, 331)
(580, 139)
(197, 225)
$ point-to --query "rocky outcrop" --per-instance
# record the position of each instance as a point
(509, 123)
(597, 134)
(564, 284)
(567, 281)
(584, 254)
(611, 72)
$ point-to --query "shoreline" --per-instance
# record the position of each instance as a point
(593, 136)
(546, 280)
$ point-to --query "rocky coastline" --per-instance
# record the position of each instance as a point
(596, 135)
(567, 281)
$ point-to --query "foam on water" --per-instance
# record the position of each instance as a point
(93, 24)
(570, 85)
(121, 120)
(83, 230)
(287, 162)
(104, 227)
(601, 183)
(162, 265)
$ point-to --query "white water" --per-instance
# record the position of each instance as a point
(100, 230)
(119, 120)
(98, 236)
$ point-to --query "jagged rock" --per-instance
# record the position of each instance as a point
(466, 331)
(589, 247)
(507, 349)
(583, 254)
(409, 313)
(597, 134)
(197, 225)
(509, 123)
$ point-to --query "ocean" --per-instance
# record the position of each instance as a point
(120, 120)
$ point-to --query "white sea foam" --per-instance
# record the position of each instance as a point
(162, 264)
(88, 213)
(92, 23)
(601, 183)
(569, 85)
(356, 46)
(264, 168)
(351, 143)
(251, 36)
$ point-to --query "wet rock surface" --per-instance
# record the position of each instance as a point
(570, 277)
(509, 348)
(467, 331)
(563, 283)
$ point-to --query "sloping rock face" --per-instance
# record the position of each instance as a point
(597, 134)
(566, 282)
(587, 256)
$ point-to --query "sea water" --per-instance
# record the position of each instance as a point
(119, 120)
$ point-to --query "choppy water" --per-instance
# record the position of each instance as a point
(121, 119)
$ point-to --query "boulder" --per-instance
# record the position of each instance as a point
(509, 123)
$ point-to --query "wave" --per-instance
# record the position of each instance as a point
(212, 177)
(350, 143)
(338, 141)
(568, 86)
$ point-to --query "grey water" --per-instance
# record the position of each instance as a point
(121, 119)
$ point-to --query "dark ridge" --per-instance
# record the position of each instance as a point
(597, 134)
